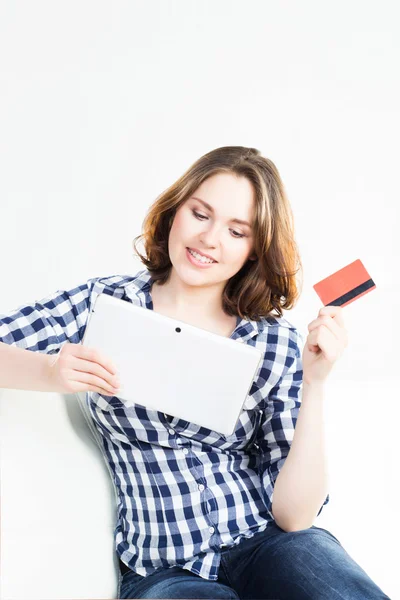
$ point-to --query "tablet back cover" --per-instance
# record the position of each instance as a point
(171, 366)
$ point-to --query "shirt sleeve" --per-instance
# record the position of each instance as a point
(280, 415)
(46, 324)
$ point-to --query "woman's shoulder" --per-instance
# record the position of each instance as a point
(281, 330)
(138, 279)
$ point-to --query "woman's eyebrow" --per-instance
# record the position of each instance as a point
(210, 208)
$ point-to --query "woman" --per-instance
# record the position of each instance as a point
(202, 515)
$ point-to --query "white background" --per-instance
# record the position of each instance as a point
(103, 105)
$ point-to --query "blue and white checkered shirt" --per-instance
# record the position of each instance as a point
(184, 491)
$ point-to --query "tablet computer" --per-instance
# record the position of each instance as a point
(170, 366)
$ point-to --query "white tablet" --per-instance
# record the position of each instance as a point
(173, 367)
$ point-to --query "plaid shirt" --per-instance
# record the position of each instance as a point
(183, 491)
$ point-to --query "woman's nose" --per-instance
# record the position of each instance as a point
(210, 237)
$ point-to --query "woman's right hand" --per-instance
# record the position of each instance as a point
(78, 368)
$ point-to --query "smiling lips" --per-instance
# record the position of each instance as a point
(202, 254)
(198, 263)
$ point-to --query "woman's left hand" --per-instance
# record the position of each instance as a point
(325, 343)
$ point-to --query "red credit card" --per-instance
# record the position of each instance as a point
(345, 286)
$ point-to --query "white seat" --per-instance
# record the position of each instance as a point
(58, 501)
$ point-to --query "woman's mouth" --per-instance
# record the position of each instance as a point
(203, 263)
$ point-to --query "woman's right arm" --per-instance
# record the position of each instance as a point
(40, 345)
(21, 369)
(76, 369)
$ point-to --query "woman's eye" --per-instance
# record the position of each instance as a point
(198, 215)
(201, 217)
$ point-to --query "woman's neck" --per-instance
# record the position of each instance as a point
(189, 302)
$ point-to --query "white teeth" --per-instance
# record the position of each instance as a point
(200, 258)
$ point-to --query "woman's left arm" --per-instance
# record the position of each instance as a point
(302, 483)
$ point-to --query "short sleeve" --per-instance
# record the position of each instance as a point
(280, 415)
(46, 324)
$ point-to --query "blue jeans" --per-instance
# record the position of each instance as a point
(272, 565)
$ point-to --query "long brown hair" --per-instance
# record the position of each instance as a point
(261, 286)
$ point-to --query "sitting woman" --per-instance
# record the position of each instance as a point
(200, 514)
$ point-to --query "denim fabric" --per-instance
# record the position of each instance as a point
(310, 564)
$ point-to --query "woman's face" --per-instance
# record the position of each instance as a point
(213, 230)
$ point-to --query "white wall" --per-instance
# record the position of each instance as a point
(103, 105)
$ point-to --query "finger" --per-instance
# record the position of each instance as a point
(93, 355)
(324, 339)
(335, 312)
(81, 387)
(104, 392)
(86, 366)
(330, 324)
(94, 381)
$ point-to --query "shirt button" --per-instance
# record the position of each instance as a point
(171, 431)
(201, 487)
(185, 450)
(211, 529)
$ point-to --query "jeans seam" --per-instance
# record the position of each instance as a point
(221, 565)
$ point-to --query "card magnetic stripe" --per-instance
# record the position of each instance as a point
(352, 294)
